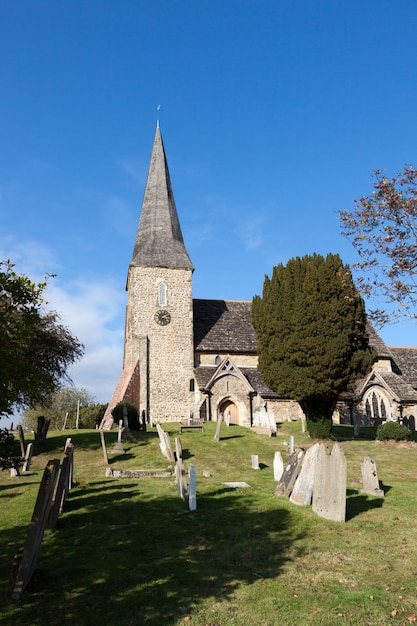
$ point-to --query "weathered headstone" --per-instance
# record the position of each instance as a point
(169, 451)
(27, 563)
(278, 466)
(178, 448)
(103, 445)
(329, 490)
(370, 482)
(22, 441)
(290, 474)
(302, 492)
(291, 444)
(192, 486)
(255, 461)
(218, 427)
(28, 458)
(181, 479)
(63, 486)
(162, 440)
(118, 446)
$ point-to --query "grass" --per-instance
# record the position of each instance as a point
(128, 551)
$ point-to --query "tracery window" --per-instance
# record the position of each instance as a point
(376, 405)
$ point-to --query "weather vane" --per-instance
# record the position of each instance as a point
(157, 119)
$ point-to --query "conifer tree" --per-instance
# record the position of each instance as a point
(312, 340)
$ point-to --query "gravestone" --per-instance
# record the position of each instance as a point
(28, 457)
(118, 446)
(181, 480)
(291, 444)
(178, 448)
(302, 492)
(255, 461)
(103, 445)
(192, 486)
(329, 490)
(162, 440)
(370, 482)
(168, 446)
(22, 441)
(278, 466)
(30, 553)
(290, 474)
(218, 427)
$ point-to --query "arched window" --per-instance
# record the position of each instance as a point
(192, 384)
(377, 405)
(217, 359)
(162, 294)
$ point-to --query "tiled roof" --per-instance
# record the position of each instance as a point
(224, 326)
(406, 361)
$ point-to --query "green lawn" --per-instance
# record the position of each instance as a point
(127, 551)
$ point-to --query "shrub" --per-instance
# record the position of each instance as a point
(319, 429)
(393, 430)
(132, 414)
(8, 449)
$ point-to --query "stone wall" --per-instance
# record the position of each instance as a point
(168, 350)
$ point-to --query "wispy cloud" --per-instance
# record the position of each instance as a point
(93, 311)
(251, 232)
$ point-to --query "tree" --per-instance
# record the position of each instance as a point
(35, 348)
(312, 340)
(61, 405)
(383, 229)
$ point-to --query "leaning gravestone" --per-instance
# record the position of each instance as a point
(278, 466)
(290, 474)
(162, 440)
(169, 451)
(370, 482)
(329, 490)
(255, 461)
(28, 457)
(302, 492)
(27, 563)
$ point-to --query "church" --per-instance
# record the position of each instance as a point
(194, 358)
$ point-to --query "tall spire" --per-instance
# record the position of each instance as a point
(159, 241)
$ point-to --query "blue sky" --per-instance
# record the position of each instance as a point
(273, 113)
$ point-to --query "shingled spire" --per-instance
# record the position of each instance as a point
(159, 241)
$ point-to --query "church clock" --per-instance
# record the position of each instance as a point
(162, 317)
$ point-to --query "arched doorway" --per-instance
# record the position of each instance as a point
(229, 406)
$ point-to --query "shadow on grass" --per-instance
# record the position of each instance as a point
(357, 503)
(123, 556)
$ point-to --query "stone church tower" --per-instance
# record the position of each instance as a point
(159, 315)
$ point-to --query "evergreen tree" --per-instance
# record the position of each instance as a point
(312, 340)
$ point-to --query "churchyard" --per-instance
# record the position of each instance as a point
(127, 549)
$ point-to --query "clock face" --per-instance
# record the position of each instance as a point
(162, 317)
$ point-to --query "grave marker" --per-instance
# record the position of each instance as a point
(278, 466)
(28, 458)
(370, 482)
(302, 492)
(192, 481)
(36, 530)
(329, 490)
(290, 474)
